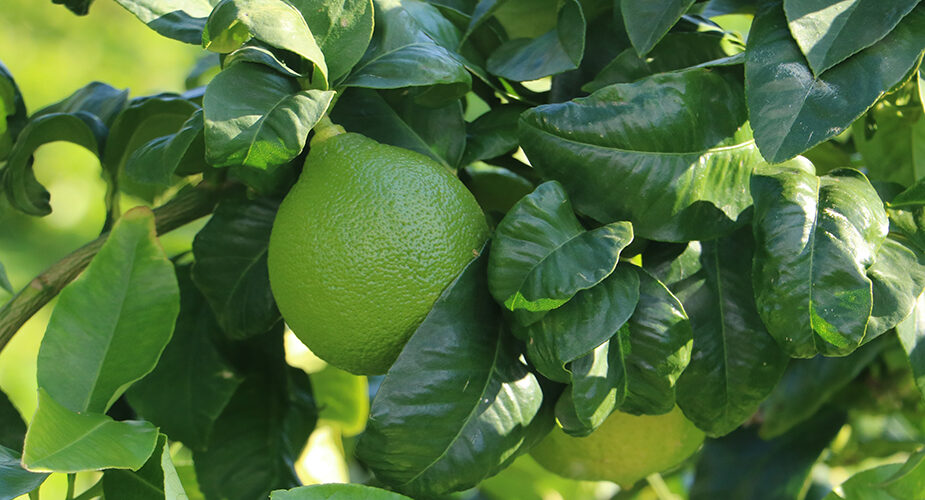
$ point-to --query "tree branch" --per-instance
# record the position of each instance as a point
(186, 207)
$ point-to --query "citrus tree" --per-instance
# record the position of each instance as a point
(678, 246)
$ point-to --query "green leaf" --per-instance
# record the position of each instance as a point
(909, 481)
(647, 21)
(815, 238)
(395, 119)
(5, 284)
(14, 480)
(180, 153)
(891, 140)
(336, 492)
(274, 22)
(898, 278)
(413, 46)
(12, 428)
(867, 485)
(256, 117)
(541, 256)
(342, 399)
(671, 153)
(492, 134)
(828, 32)
(192, 383)
(181, 20)
(792, 110)
(911, 333)
(260, 434)
(807, 385)
(735, 363)
(476, 410)
(60, 440)
(97, 99)
(557, 51)
(496, 189)
(87, 361)
(79, 7)
(342, 29)
(156, 480)
(13, 115)
(231, 266)
(742, 465)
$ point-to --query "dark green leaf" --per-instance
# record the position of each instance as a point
(671, 153)
(60, 440)
(231, 266)
(180, 153)
(647, 21)
(342, 28)
(14, 480)
(675, 51)
(891, 140)
(97, 99)
(79, 7)
(492, 134)
(181, 20)
(256, 117)
(477, 406)
(911, 333)
(86, 361)
(12, 111)
(898, 278)
(336, 492)
(439, 133)
(792, 110)
(829, 32)
(5, 284)
(274, 22)
(808, 384)
(541, 256)
(722, 7)
(496, 189)
(12, 428)
(735, 363)
(580, 326)
(191, 384)
(815, 238)
(261, 432)
(742, 465)
(413, 46)
(156, 480)
(554, 52)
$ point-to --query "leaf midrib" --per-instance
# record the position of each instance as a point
(708, 151)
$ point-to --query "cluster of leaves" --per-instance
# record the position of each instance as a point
(665, 245)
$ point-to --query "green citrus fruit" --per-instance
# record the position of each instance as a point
(624, 449)
(364, 244)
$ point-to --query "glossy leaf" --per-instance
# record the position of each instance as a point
(735, 363)
(554, 52)
(413, 46)
(791, 109)
(259, 435)
(192, 383)
(828, 32)
(439, 133)
(808, 384)
(742, 465)
(898, 278)
(12, 111)
(647, 21)
(492, 134)
(87, 361)
(911, 333)
(12, 428)
(274, 22)
(476, 408)
(60, 440)
(670, 153)
(336, 492)
(541, 256)
(179, 153)
(496, 189)
(342, 399)
(815, 238)
(342, 29)
(156, 480)
(256, 117)
(95, 98)
(231, 266)
(14, 480)
(181, 20)
(580, 326)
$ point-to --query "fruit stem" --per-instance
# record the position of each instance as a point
(661, 489)
(325, 129)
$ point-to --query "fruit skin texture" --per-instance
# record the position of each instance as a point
(624, 449)
(363, 245)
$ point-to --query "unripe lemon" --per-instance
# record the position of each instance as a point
(363, 245)
(624, 449)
